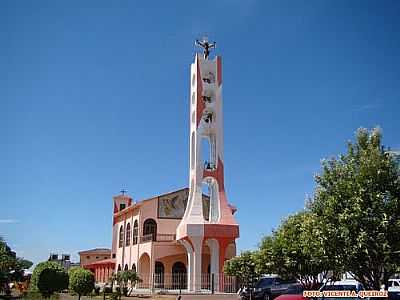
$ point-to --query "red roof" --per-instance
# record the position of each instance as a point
(108, 261)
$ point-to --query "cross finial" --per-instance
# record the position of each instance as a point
(206, 45)
(123, 192)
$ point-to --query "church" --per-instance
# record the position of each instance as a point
(181, 239)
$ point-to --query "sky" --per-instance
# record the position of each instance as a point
(94, 97)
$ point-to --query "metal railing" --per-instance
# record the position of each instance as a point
(176, 282)
(160, 237)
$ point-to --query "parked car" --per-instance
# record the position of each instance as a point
(343, 285)
(394, 289)
(291, 297)
(268, 288)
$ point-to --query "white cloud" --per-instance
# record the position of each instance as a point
(8, 221)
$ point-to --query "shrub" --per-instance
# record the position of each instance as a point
(81, 282)
(39, 268)
(51, 280)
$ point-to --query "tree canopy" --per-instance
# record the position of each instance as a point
(81, 281)
(294, 251)
(11, 267)
(357, 199)
(243, 267)
(351, 224)
(55, 276)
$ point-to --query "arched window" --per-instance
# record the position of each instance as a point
(179, 276)
(135, 233)
(150, 227)
(133, 267)
(159, 275)
(128, 235)
(126, 268)
(121, 236)
(119, 268)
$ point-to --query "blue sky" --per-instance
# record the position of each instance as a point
(94, 97)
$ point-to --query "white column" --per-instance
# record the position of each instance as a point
(190, 261)
(214, 261)
(197, 242)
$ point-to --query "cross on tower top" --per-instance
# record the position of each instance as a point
(206, 45)
(123, 192)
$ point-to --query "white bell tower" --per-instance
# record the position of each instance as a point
(206, 128)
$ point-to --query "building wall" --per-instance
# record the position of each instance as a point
(93, 256)
(129, 255)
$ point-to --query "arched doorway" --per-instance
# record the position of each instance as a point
(133, 267)
(126, 268)
(150, 227)
(179, 276)
(159, 275)
(144, 271)
(119, 268)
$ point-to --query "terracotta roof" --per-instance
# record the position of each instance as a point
(102, 262)
(95, 250)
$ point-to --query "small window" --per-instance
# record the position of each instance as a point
(97, 257)
(113, 256)
(128, 235)
(193, 97)
(135, 232)
(105, 257)
(87, 257)
(122, 206)
(121, 236)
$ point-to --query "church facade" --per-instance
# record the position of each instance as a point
(181, 239)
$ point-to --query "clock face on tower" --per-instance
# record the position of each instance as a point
(172, 206)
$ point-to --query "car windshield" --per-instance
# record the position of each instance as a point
(264, 282)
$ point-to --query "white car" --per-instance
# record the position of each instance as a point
(394, 288)
(342, 285)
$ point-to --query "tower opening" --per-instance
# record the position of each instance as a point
(208, 152)
(210, 190)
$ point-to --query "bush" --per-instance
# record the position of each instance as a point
(39, 269)
(51, 280)
(81, 281)
(107, 290)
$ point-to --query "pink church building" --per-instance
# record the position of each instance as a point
(181, 239)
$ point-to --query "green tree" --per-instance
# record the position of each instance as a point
(11, 267)
(295, 251)
(243, 267)
(123, 278)
(51, 280)
(81, 281)
(60, 280)
(357, 199)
